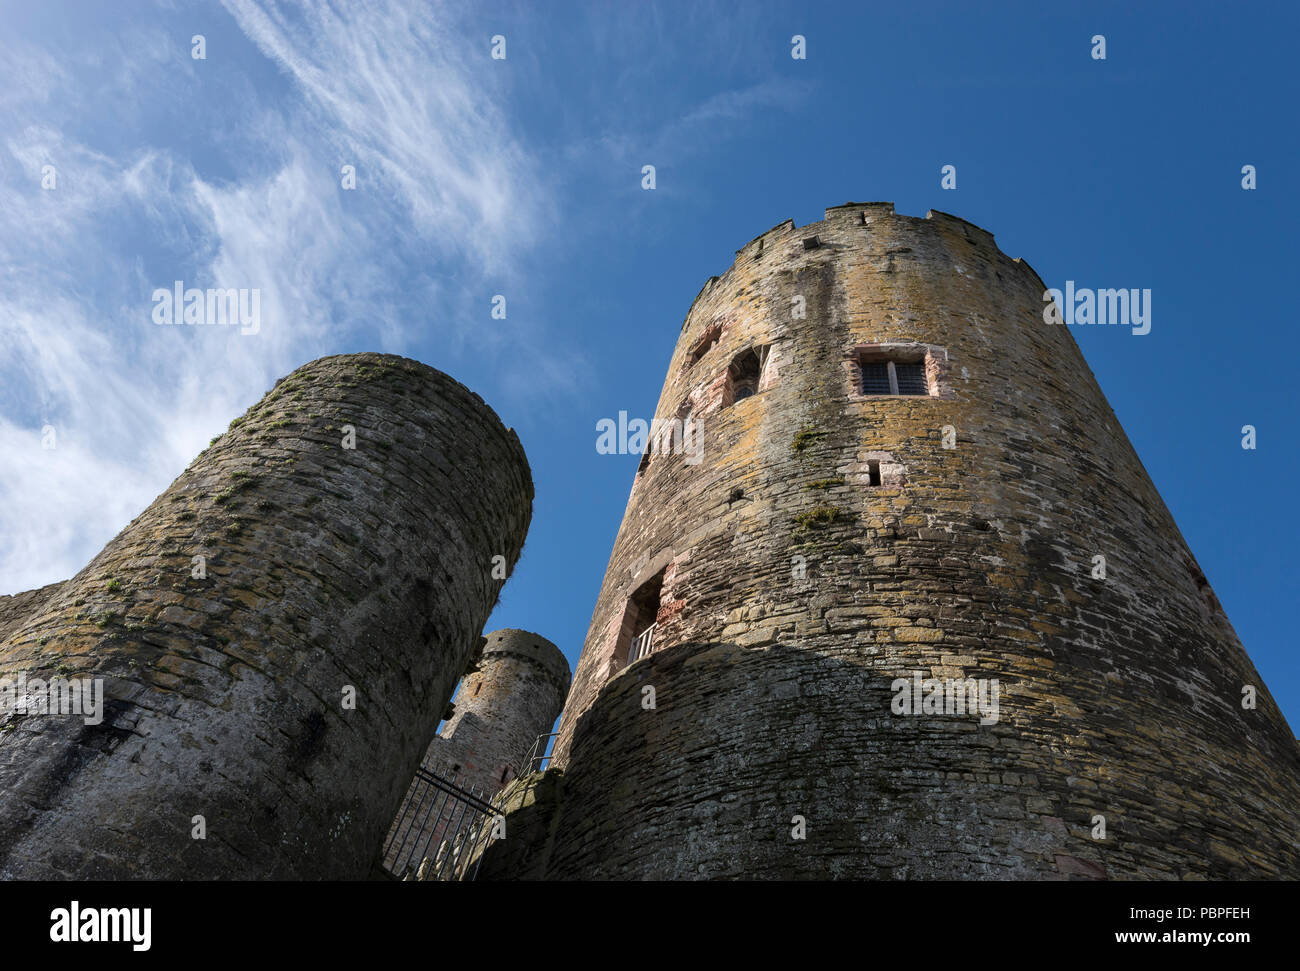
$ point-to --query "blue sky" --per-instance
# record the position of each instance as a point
(522, 177)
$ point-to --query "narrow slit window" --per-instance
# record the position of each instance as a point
(681, 427)
(873, 473)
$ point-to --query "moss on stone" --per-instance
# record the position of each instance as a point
(818, 517)
(825, 483)
(806, 438)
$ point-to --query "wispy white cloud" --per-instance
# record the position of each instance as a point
(695, 130)
(225, 173)
(28, 75)
(443, 185)
(399, 90)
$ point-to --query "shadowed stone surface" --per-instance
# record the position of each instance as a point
(828, 543)
(326, 567)
(514, 695)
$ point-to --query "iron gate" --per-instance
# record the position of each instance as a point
(436, 829)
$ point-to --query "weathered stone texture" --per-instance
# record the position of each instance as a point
(513, 696)
(1119, 697)
(18, 607)
(530, 807)
(326, 567)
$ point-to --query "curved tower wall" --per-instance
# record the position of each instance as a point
(827, 544)
(326, 567)
(514, 695)
(17, 608)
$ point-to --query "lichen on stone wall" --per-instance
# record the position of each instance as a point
(959, 548)
(337, 540)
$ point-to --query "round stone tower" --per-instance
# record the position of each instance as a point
(898, 599)
(513, 696)
(276, 636)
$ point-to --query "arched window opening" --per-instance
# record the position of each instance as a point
(637, 633)
(744, 375)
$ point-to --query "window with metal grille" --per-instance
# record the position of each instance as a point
(875, 377)
(887, 377)
(637, 634)
(911, 378)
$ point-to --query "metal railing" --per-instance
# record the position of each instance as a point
(537, 754)
(641, 644)
(441, 816)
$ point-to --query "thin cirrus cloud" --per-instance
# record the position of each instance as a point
(131, 403)
(395, 85)
(451, 206)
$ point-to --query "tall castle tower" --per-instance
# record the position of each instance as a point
(275, 637)
(906, 483)
(513, 696)
(506, 702)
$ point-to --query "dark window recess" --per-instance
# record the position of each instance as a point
(911, 378)
(678, 432)
(812, 242)
(744, 374)
(875, 377)
(873, 473)
(637, 636)
(703, 344)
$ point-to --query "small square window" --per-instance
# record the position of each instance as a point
(880, 372)
(703, 345)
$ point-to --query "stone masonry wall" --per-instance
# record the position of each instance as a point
(16, 608)
(514, 695)
(326, 567)
(795, 591)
